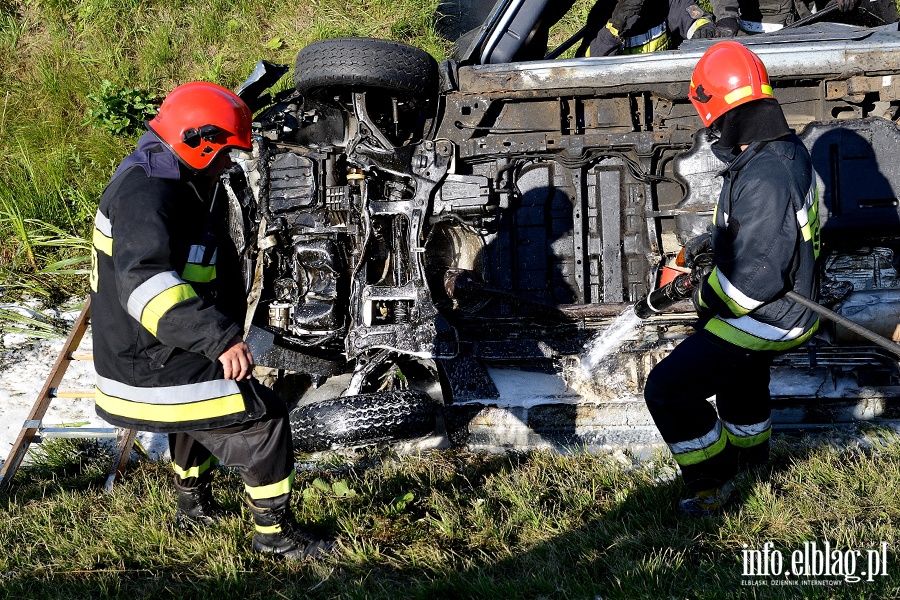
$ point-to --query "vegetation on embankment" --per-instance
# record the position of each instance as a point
(79, 77)
(450, 524)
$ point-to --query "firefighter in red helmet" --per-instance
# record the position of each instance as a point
(763, 242)
(167, 307)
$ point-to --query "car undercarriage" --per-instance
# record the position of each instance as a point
(433, 247)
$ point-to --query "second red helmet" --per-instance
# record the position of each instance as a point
(726, 76)
(200, 119)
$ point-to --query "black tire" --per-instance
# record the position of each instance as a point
(362, 419)
(339, 65)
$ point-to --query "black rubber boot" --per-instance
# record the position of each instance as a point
(278, 533)
(196, 507)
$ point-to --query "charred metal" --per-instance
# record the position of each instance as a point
(497, 223)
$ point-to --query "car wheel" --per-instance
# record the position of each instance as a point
(362, 419)
(337, 66)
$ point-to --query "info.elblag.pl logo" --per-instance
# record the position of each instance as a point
(813, 564)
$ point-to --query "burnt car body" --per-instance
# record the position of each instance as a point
(431, 246)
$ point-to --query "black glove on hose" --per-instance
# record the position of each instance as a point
(728, 27)
(844, 5)
(701, 244)
(705, 32)
(702, 266)
(624, 10)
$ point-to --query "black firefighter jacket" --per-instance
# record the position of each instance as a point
(765, 239)
(166, 299)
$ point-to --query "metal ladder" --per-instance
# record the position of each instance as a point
(33, 430)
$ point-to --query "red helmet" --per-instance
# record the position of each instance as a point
(727, 75)
(199, 119)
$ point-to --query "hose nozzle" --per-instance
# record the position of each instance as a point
(662, 298)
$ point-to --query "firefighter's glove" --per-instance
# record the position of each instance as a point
(844, 5)
(697, 246)
(624, 10)
(702, 266)
(706, 31)
(727, 27)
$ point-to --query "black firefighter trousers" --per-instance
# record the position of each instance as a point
(261, 451)
(711, 444)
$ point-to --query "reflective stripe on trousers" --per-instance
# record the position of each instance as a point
(691, 452)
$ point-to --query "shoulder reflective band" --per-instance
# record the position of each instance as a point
(153, 298)
(741, 93)
(170, 404)
(273, 490)
(102, 234)
(691, 452)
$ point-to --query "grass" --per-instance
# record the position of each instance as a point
(54, 58)
(446, 524)
(451, 524)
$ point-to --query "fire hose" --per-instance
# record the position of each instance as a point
(856, 328)
(683, 286)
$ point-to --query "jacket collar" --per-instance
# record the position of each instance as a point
(786, 147)
(155, 158)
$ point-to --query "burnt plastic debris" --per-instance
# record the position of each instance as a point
(662, 298)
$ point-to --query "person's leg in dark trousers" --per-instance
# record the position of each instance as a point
(194, 466)
(746, 411)
(706, 447)
(677, 392)
(262, 452)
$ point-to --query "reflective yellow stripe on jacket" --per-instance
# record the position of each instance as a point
(170, 404)
(195, 270)
(103, 240)
(103, 243)
(738, 302)
(156, 296)
(749, 333)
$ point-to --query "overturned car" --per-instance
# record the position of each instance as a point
(433, 247)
